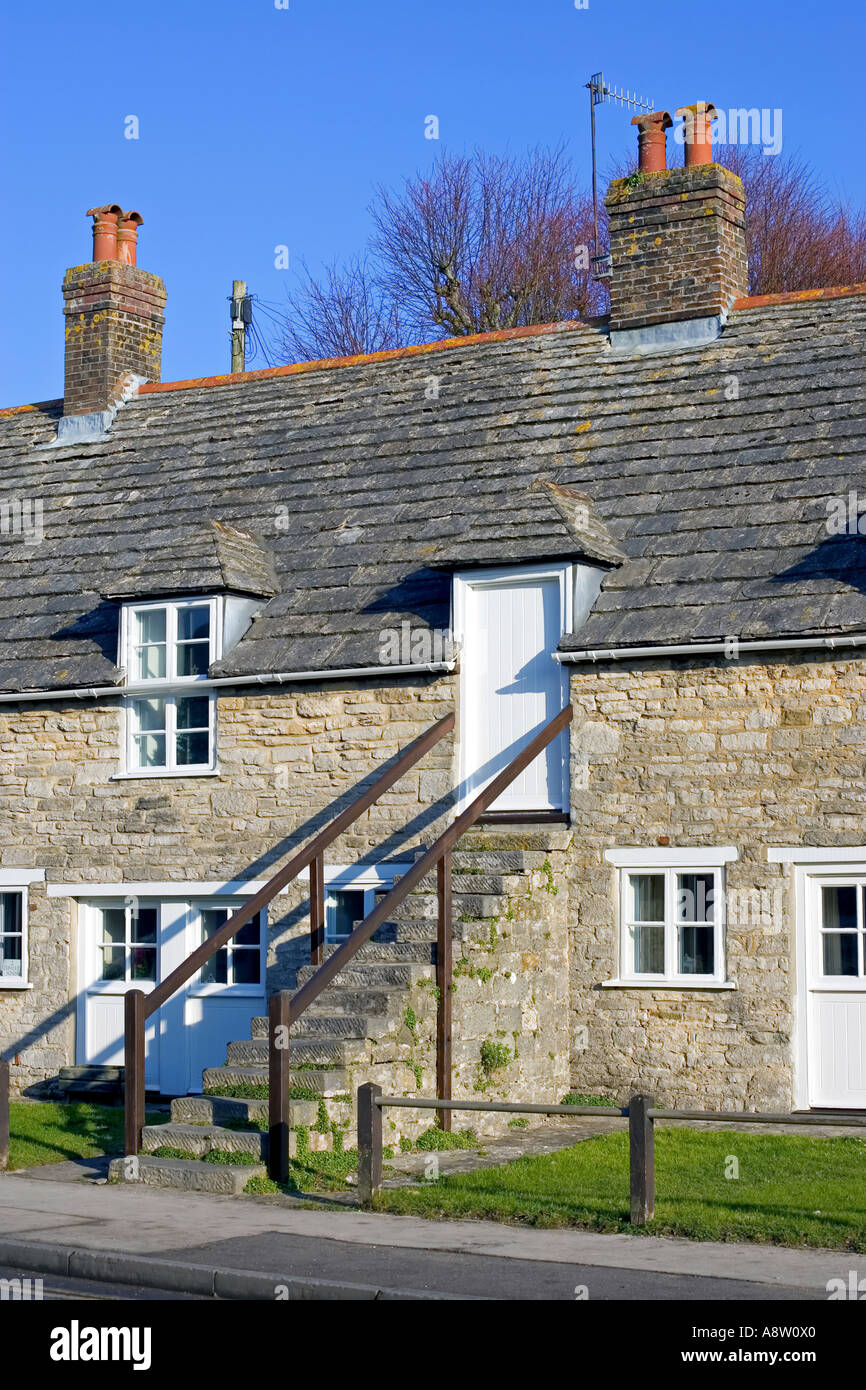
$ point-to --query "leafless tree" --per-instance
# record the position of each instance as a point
(485, 242)
(345, 312)
(798, 239)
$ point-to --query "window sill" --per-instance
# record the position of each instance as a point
(142, 776)
(226, 991)
(695, 984)
(15, 984)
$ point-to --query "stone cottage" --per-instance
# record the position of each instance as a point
(229, 603)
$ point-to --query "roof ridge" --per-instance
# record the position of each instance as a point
(497, 335)
(758, 301)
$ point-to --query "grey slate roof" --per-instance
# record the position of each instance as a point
(362, 488)
(209, 558)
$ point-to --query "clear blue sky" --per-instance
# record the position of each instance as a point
(262, 126)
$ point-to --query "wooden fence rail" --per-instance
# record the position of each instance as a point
(640, 1112)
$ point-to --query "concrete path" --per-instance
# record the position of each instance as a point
(137, 1234)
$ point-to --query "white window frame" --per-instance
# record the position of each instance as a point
(169, 687)
(670, 862)
(99, 985)
(21, 981)
(356, 878)
(206, 990)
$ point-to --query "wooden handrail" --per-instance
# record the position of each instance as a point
(286, 1009)
(426, 864)
(140, 1006)
(300, 861)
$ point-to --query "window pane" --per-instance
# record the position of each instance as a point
(246, 965)
(697, 955)
(113, 963)
(149, 626)
(10, 912)
(839, 907)
(840, 953)
(151, 750)
(11, 957)
(149, 664)
(193, 712)
(193, 624)
(193, 750)
(144, 925)
(649, 950)
(695, 897)
(249, 935)
(215, 970)
(148, 715)
(648, 897)
(193, 658)
(346, 909)
(143, 963)
(113, 924)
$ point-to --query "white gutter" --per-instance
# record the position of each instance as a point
(730, 648)
(342, 673)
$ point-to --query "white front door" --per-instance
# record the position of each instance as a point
(134, 943)
(510, 624)
(835, 945)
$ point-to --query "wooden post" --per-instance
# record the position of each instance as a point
(4, 1115)
(133, 1070)
(279, 1021)
(239, 290)
(641, 1146)
(444, 972)
(317, 910)
(369, 1142)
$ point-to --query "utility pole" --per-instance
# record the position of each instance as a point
(240, 308)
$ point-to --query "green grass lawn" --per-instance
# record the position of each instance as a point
(791, 1190)
(46, 1132)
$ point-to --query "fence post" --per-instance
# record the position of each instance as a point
(641, 1147)
(133, 1070)
(444, 984)
(369, 1142)
(4, 1115)
(317, 910)
(279, 1022)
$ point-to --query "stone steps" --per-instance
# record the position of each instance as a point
(325, 1051)
(324, 1080)
(200, 1139)
(364, 974)
(189, 1175)
(359, 1017)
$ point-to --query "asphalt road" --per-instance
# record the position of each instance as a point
(441, 1272)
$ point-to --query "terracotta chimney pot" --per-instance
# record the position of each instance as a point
(698, 132)
(105, 231)
(651, 140)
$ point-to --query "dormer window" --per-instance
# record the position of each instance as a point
(167, 647)
(171, 641)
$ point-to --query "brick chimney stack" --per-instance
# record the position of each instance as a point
(114, 320)
(677, 238)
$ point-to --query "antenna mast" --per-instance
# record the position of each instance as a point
(600, 91)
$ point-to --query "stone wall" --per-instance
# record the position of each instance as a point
(738, 754)
(288, 760)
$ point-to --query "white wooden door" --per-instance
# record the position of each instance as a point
(118, 951)
(836, 985)
(510, 626)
